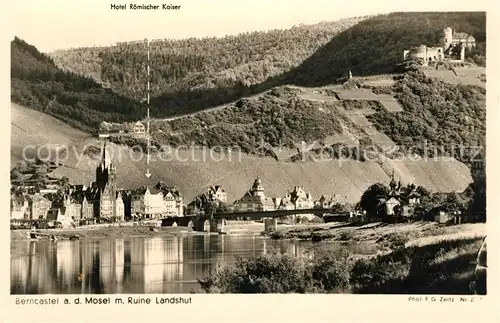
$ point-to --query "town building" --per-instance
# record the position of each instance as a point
(157, 202)
(120, 207)
(147, 202)
(60, 217)
(399, 202)
(254, 200)
(214, 194)
(299, 198)
(286, 202)
(19, 207)
(276, 202)
(328, 201)
(73, 208)
(173, 201)
(38, 206)
(325, 201)
(217, 193)
(139, 128)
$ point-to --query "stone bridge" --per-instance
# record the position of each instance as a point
(216, 221)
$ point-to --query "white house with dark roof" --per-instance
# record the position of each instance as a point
(216, 192)
(254, 200)
(139, 128)
(148, 202)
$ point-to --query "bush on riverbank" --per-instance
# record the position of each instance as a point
(441, 267)
(276, 273)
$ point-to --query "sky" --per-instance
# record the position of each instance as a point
(59, 24)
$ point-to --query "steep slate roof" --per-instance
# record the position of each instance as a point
(461, 35)
(142, 190)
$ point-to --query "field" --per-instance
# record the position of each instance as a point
(464, 75)
(30, 127)
(357, 116)
(419, 233)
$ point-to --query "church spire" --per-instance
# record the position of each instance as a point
(392, 184)
(104, 158)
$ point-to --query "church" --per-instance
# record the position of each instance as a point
(103, 191)
(101, 200)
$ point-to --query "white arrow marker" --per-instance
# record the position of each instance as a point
(148, 174)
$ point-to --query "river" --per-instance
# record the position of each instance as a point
(137, 265)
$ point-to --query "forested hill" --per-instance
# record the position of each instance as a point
(375, 45)
(195, 74)
(79, 101)
(200, 64)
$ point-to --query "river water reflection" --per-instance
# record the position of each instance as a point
(136, 265)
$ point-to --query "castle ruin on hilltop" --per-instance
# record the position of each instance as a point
(452, 49)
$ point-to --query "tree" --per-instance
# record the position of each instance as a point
(371, 198)
(423, 191)
(477, 204)
(64, 182)
(341, 208)
(454, 203)
(223, 207)
(210, 208)
(15, 174)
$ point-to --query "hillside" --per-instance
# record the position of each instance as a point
(38, 84)
(406, 115)
(193, 75)
(194, 170)
(389, 113)
(376, 45)
(200, 64)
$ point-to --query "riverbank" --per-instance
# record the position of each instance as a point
(379, 233)
(417, 258)
(128, 230)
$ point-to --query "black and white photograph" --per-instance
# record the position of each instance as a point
(334, 152)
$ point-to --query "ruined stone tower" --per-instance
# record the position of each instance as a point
(447, 38)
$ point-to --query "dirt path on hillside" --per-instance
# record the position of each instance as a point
(213, 109)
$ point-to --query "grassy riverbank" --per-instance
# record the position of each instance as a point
(436, 260)
(373, 232)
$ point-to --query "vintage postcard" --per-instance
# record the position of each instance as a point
(167, 156)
